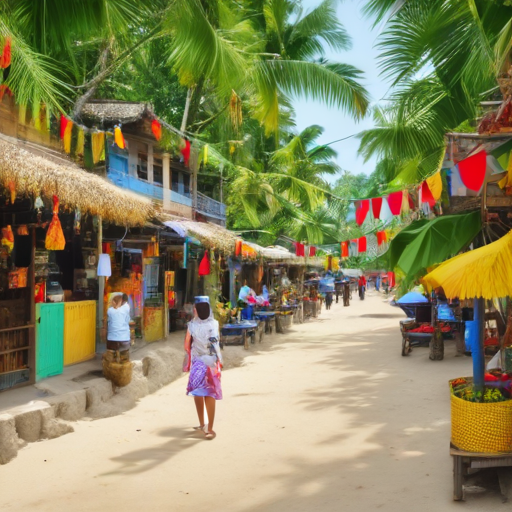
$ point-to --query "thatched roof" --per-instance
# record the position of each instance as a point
(38, 176)
(211, 236)
(114, 111)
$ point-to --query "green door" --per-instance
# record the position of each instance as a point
(49, 340)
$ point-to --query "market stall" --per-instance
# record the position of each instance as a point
(481, 406)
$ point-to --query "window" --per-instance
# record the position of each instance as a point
(142, 162)
(186, 184)
(158, 171)
(175, 181)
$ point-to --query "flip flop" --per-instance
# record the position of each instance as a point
(210, 435)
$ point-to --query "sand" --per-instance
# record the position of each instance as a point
(328, 417)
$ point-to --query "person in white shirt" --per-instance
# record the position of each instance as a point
(118, 325)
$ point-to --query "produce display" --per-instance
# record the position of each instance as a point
(497, 388)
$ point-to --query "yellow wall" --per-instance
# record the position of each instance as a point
(79, 331)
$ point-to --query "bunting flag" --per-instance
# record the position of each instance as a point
(98, 146)
(376, 206)
(205, 154)
(361, 244)
(472, 170)
(435, 184)
(299, 249)
(426, 195)
(185, 151)
(80, 142)
(312, 252)
(381, 238)
(156, 128)
(362, 209)
(395, 202)
(238, 247)
(118, 138)
(63, 123)
(5, 58)
(344, 249)
(67, 136)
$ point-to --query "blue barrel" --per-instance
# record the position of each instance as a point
(248, 312)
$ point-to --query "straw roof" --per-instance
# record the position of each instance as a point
(114, 111)
(211, 236)
(37, 176)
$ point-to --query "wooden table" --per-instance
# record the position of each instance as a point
(463, 462)
(268, 317)
(246, 327)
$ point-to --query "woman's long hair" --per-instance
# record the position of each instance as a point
(203, 310)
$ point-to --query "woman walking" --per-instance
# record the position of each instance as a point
(202, 346)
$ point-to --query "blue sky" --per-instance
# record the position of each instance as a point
(363, 55)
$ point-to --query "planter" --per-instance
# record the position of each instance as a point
(481, 427)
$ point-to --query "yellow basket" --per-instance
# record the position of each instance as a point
(482, 428)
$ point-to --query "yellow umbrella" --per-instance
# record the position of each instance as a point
(483, 273)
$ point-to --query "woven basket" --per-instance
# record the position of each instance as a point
(482, 428)
(119, 373)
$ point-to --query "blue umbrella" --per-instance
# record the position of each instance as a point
(412, 298)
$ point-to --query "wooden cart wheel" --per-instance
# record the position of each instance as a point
(406, 346)
(458, 478)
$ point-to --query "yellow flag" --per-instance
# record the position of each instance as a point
(67, 137)
(435, 184)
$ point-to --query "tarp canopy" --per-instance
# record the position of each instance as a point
(352, 272)
(483, 273)
(412, 298)
(425, 243)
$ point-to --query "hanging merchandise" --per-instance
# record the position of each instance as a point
(362, 209)
(98, 147)
(12, 190)
(472, 170)
(395, 202)
(5, 58)
(22, 230)
(238, 247)
(185, 151)
(156, 128)
(426, 195)
(118, 137)
(435, 184)
(312, 252)
(78, 221)
(361, 244)
(204, 266)
(55, 240)
(8, 238)
(376, 206)
(344, 249)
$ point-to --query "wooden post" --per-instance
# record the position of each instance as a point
(101, 287)
(478, 352)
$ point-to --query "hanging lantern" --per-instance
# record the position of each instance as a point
(55, 240)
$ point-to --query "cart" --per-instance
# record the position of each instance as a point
(467, 463)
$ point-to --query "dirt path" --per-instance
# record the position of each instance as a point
(331, 418)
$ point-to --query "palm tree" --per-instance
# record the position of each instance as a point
(262, 55)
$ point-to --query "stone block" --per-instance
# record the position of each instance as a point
(9, 440)
(70, 406)
(29, 420)
(53, 427)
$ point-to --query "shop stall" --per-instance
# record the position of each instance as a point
(481, 405)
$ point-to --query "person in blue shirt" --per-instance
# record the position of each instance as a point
(118, 324)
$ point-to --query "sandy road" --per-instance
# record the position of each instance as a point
(329, 417)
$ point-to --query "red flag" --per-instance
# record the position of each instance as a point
(472, 170)
(395, 202)
(361, 244)
(391, 279)
(299, 249)
(156, 128)
(186, 152)
(376, 206)
(381, 237)
(312, 252)
(426, 194)
(362, 209)
(344, 249)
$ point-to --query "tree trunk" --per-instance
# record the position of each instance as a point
(184, 121)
